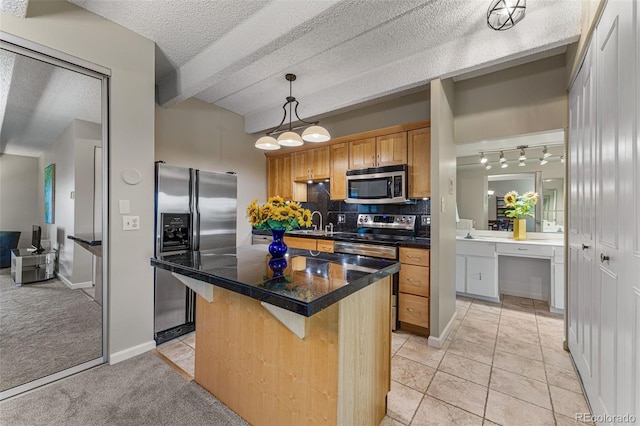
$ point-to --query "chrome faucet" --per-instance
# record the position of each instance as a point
(329, 228)
(320, 223)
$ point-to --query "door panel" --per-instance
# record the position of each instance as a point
(607, 343)
(217, 205)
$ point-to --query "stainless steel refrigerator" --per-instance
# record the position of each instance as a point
(195, 210)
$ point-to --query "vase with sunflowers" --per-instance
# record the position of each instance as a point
(519, 207)
(278, 216)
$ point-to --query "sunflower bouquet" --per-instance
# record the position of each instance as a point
(519, 207)
(278, 214)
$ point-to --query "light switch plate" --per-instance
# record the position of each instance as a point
(124, 206)
(341, 218)
(130, 223)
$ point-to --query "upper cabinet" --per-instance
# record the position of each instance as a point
(409, 144)
(391, 149)
(311, 164)
(339, 167)
(362, 153)
(419, 162)
(387, 150)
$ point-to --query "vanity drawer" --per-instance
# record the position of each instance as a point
(413, 309)
(414, 279)
(476, 248)
(414, 256)
(524, 249)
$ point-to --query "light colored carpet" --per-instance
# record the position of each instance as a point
(45, 327)
(139, 391)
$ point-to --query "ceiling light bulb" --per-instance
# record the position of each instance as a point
(267, 143)
(543, 161)
(504, 165)
(483, 158)
(502, 159)
(546, 153)
(290, 139)
(522, 156)
(315, 134)
(504, 14)
(521, 164)
(488, 167)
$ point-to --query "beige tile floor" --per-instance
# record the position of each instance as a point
(503, 363)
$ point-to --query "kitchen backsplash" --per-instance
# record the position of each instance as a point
(318, 196)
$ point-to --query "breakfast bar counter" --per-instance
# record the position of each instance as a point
(312, 346)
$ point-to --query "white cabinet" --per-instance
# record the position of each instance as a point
(477, 269)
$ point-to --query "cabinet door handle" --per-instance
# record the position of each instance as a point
(411, 280)
(584, 246)
(411, 310)
(410, 256)
(523, 249)
(604, 258)
(480, 276)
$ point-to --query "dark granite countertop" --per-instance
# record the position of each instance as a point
(92, 239)
(312, 281)
(413, 242)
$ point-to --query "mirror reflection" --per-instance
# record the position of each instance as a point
(51, 190)
(487, 170)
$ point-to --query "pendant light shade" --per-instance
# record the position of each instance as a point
(267, 143)
(315, 134)
(504, 14)
(290, 139)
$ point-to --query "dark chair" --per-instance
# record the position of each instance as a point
(8, 241)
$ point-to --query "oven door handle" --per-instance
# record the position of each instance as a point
(371, 250)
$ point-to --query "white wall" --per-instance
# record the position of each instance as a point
(443, 209)
(19, 207)
(198, 134)
(520, 100)
(130, 57)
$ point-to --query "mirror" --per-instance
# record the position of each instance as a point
(482, 186)
(51, 174)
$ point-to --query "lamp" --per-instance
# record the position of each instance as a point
(504, 14)
(313, 132)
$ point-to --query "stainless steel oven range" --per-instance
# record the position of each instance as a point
(378, 236)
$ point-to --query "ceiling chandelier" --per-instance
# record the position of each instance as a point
(504, 14)
(312, 133)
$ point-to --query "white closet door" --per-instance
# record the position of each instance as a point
(615, 58)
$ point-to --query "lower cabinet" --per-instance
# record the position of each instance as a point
(477, 269)
(309, 244)
(414, 289)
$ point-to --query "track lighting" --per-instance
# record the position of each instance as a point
(543, 161)
(522, 155)
(546, 153)
(488, 166)
(502, 159)
(483, 158)
(562, 158)
(522, 163)
(504, 165)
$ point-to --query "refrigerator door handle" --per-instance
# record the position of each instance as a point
(196, 198)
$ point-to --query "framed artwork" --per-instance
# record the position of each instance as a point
(49, 193)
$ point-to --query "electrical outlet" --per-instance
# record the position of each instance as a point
(342, 218)
(425, 220)
(130, 223)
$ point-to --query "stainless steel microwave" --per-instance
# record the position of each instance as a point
(378, 185)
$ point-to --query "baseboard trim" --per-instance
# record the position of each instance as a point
(74, 286)
(438, 342)
(117, 357)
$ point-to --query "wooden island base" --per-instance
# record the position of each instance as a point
(340, 373)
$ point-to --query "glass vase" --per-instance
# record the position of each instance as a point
(278, 249)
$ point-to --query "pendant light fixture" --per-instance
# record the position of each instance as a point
(313, 132)
(504, 14)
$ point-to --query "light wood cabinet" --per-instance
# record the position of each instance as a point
(419, 162)
(311, 164)
(391, 149)
(414, 287)
(339, 166)
(362, 153)
(309, 244)
(325, 246)
(279, 177)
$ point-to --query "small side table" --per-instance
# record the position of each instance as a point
(28, 267)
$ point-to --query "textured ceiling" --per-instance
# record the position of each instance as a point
(38, 100)
(235, 53)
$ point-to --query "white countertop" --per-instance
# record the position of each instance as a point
(556, 242)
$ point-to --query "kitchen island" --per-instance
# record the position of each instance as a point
(310, 347)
